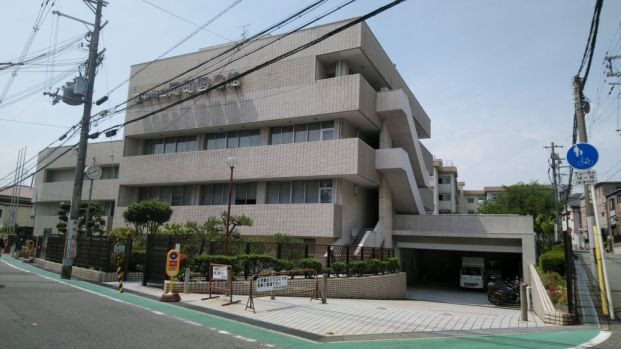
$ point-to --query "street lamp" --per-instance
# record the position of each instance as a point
(231, 162)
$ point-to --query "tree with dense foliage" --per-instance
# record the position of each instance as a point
(148, 215)
(215, 228)
(532, 199)
(96, 223)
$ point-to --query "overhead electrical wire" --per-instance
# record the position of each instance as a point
(247, 72)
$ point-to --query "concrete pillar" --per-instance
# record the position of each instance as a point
(385, 195)
(264, 136)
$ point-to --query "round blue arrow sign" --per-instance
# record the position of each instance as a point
(582, 156)
(173, 256)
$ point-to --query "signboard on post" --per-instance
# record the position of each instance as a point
(585, 177)
(119, 248)
(172, 263)
(220, 272)
(582, 156)
(272, 283)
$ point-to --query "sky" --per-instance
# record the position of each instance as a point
(495, 77)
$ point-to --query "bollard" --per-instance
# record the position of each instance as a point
(324, 293)
(528, 298)
(523, 303)
(186, 281)
(119, 276)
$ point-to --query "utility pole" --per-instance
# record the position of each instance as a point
(555, 160)
(592, 219)
(70, 238)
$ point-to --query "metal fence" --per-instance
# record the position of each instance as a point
(92, 252)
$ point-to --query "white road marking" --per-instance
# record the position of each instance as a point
(600, 338)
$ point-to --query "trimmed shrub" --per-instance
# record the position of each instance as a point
(326, 270)
(136, 260)
(339, 268)
(552, 261)
(281, 264)
(393, 264)
(258, 263)
(310, 263)
(201, 263)
(374, 266)
(358, 267)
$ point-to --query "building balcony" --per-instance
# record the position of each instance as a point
(349, 158)
(302, 220)
(103, 189)
(349, 97)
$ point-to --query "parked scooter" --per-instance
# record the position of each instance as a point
(503, 292)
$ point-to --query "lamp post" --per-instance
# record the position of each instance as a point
(231, 162)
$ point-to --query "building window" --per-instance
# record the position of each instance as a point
(470, 200)
(180, 195)
(444, 197)
(444, 179)
(110, 172)
(170, 145)
(232, 139)
(317, 131)
(217, 194)
(300, 192)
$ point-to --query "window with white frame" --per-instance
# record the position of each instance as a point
(232, 139)
(179, 195)
(170, 145)
(317, 131)
(444, 197)
(444, 179)
(300, 192)
(217, 194)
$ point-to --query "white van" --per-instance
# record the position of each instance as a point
(472, 271)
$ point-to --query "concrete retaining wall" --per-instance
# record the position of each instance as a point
(390, 286)
(542, 305)
(86, 274)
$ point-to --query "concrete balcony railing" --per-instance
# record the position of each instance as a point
(103, 189)
(346, 96)
(307, 220)
(344, 158)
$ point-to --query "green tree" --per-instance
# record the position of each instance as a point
(63, 211)
(215, 228)
(532, 199)
(96, 223)
(147, 216)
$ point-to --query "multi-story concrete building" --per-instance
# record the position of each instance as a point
(448, 192)
(326, 141)
(327, 145)
(54, 184)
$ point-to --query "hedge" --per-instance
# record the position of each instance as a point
(553, 261)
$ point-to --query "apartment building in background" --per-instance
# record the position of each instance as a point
(16, 207)
(54, 184)
(448, 192)
(613, 211)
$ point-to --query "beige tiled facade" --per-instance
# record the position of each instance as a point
(347, 79)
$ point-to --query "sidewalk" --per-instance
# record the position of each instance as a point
(348, 317)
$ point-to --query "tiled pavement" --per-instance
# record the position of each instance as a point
(341, 317)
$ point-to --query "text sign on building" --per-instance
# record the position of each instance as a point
(585, 177)
(172, 263)
(272, 283)
(219, 273)
(582, 156)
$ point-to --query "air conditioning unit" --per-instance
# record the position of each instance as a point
(187, 88)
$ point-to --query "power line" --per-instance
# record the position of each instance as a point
(264, 64)
(186, 20)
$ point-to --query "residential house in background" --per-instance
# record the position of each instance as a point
(16, 207)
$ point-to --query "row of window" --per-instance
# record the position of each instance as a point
(317, 131)
(298, 192)
(171, 145)
(313, 191)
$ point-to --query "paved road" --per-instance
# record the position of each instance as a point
(38, 310)
(41, 313)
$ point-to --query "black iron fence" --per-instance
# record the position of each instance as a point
(92, 252)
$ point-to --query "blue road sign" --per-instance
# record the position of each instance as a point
(582, 156)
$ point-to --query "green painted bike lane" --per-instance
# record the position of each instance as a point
(541, 340)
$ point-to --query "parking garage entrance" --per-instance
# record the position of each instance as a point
(434, 275)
